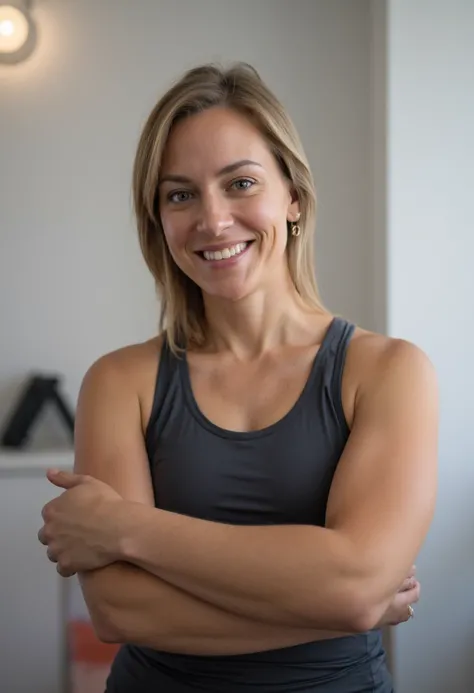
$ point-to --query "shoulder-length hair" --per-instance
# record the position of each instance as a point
(241, 88)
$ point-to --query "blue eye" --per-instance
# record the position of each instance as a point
(183, 196)
(179, 196)
(243, 183)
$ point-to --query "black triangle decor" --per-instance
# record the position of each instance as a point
(39, 391)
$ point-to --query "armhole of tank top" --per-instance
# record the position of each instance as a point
(340, 348)
(162, 378)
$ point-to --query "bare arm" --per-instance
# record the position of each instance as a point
(126, 603)
(157, 615)
(341, 576)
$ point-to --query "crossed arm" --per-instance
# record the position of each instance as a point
(184, 581)
(128, 603)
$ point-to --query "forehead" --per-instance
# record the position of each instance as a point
(213, 139)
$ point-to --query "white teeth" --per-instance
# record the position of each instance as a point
(225, 253)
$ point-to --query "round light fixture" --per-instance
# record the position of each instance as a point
(16, 33)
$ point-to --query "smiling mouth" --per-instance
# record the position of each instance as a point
(224, 253)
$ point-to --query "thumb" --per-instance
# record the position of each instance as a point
(64, 479)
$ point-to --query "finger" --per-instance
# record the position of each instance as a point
(403, 600)
(408, 584)
(65, 572)
(416, 593)
(64, 479)
(409, 596)
(51, 554)
(42, 536)
(411, 574)
(410, 579)
(45, 511)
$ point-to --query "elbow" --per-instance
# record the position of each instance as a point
(104, 615)
(357, 618)
(350, 613)
(367, 612)
(107, 628)
(119, 627)
(365, 618)
(107, 634)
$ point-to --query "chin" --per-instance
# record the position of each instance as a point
(232, 292)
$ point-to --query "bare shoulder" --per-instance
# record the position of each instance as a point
(378, 364)
(374, 354)
(125, 373)
(377, 356)
(127, 362)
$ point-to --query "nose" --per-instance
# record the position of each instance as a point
(214, 215)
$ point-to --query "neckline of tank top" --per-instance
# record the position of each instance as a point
(335, 329)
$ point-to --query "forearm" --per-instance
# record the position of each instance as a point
(287, 575)
(127, 604)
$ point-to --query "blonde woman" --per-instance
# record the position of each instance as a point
(251, 487)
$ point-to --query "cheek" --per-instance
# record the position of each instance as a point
(262, 210)
(175, 232)
(273, 221)
(266, 214)
(175, 241)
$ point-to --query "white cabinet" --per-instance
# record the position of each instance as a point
(33, 654)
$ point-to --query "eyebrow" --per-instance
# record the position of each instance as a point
(230, 168)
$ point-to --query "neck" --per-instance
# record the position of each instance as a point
(258, 323)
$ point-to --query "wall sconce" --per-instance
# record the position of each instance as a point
(17, 32)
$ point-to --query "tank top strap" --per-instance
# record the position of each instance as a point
(167, 386)
(329, 365)
(336, 343)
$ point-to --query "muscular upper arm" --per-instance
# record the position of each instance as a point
(109, 445)
(384, 489)
(109, 441)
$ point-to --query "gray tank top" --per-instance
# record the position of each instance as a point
(279, 475)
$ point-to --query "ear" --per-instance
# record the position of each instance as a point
(294, 212)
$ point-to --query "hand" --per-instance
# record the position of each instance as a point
(80, 525)
(399, 610)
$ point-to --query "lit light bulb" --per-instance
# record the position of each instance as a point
(7, 28)
(14, 29)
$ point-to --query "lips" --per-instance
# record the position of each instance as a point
(224, 255)
(223, 245)
(223, 251)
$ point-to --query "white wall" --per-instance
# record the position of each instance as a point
(72, 282)
(431, 301)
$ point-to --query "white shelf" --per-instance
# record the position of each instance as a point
(35, 460)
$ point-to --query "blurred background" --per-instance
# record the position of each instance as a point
(382, 93)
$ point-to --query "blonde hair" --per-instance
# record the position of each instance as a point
(241, 88)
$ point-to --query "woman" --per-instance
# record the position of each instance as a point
(252, 487)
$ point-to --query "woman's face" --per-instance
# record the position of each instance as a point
(224, 204)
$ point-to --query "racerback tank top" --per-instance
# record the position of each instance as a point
(279, 475)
